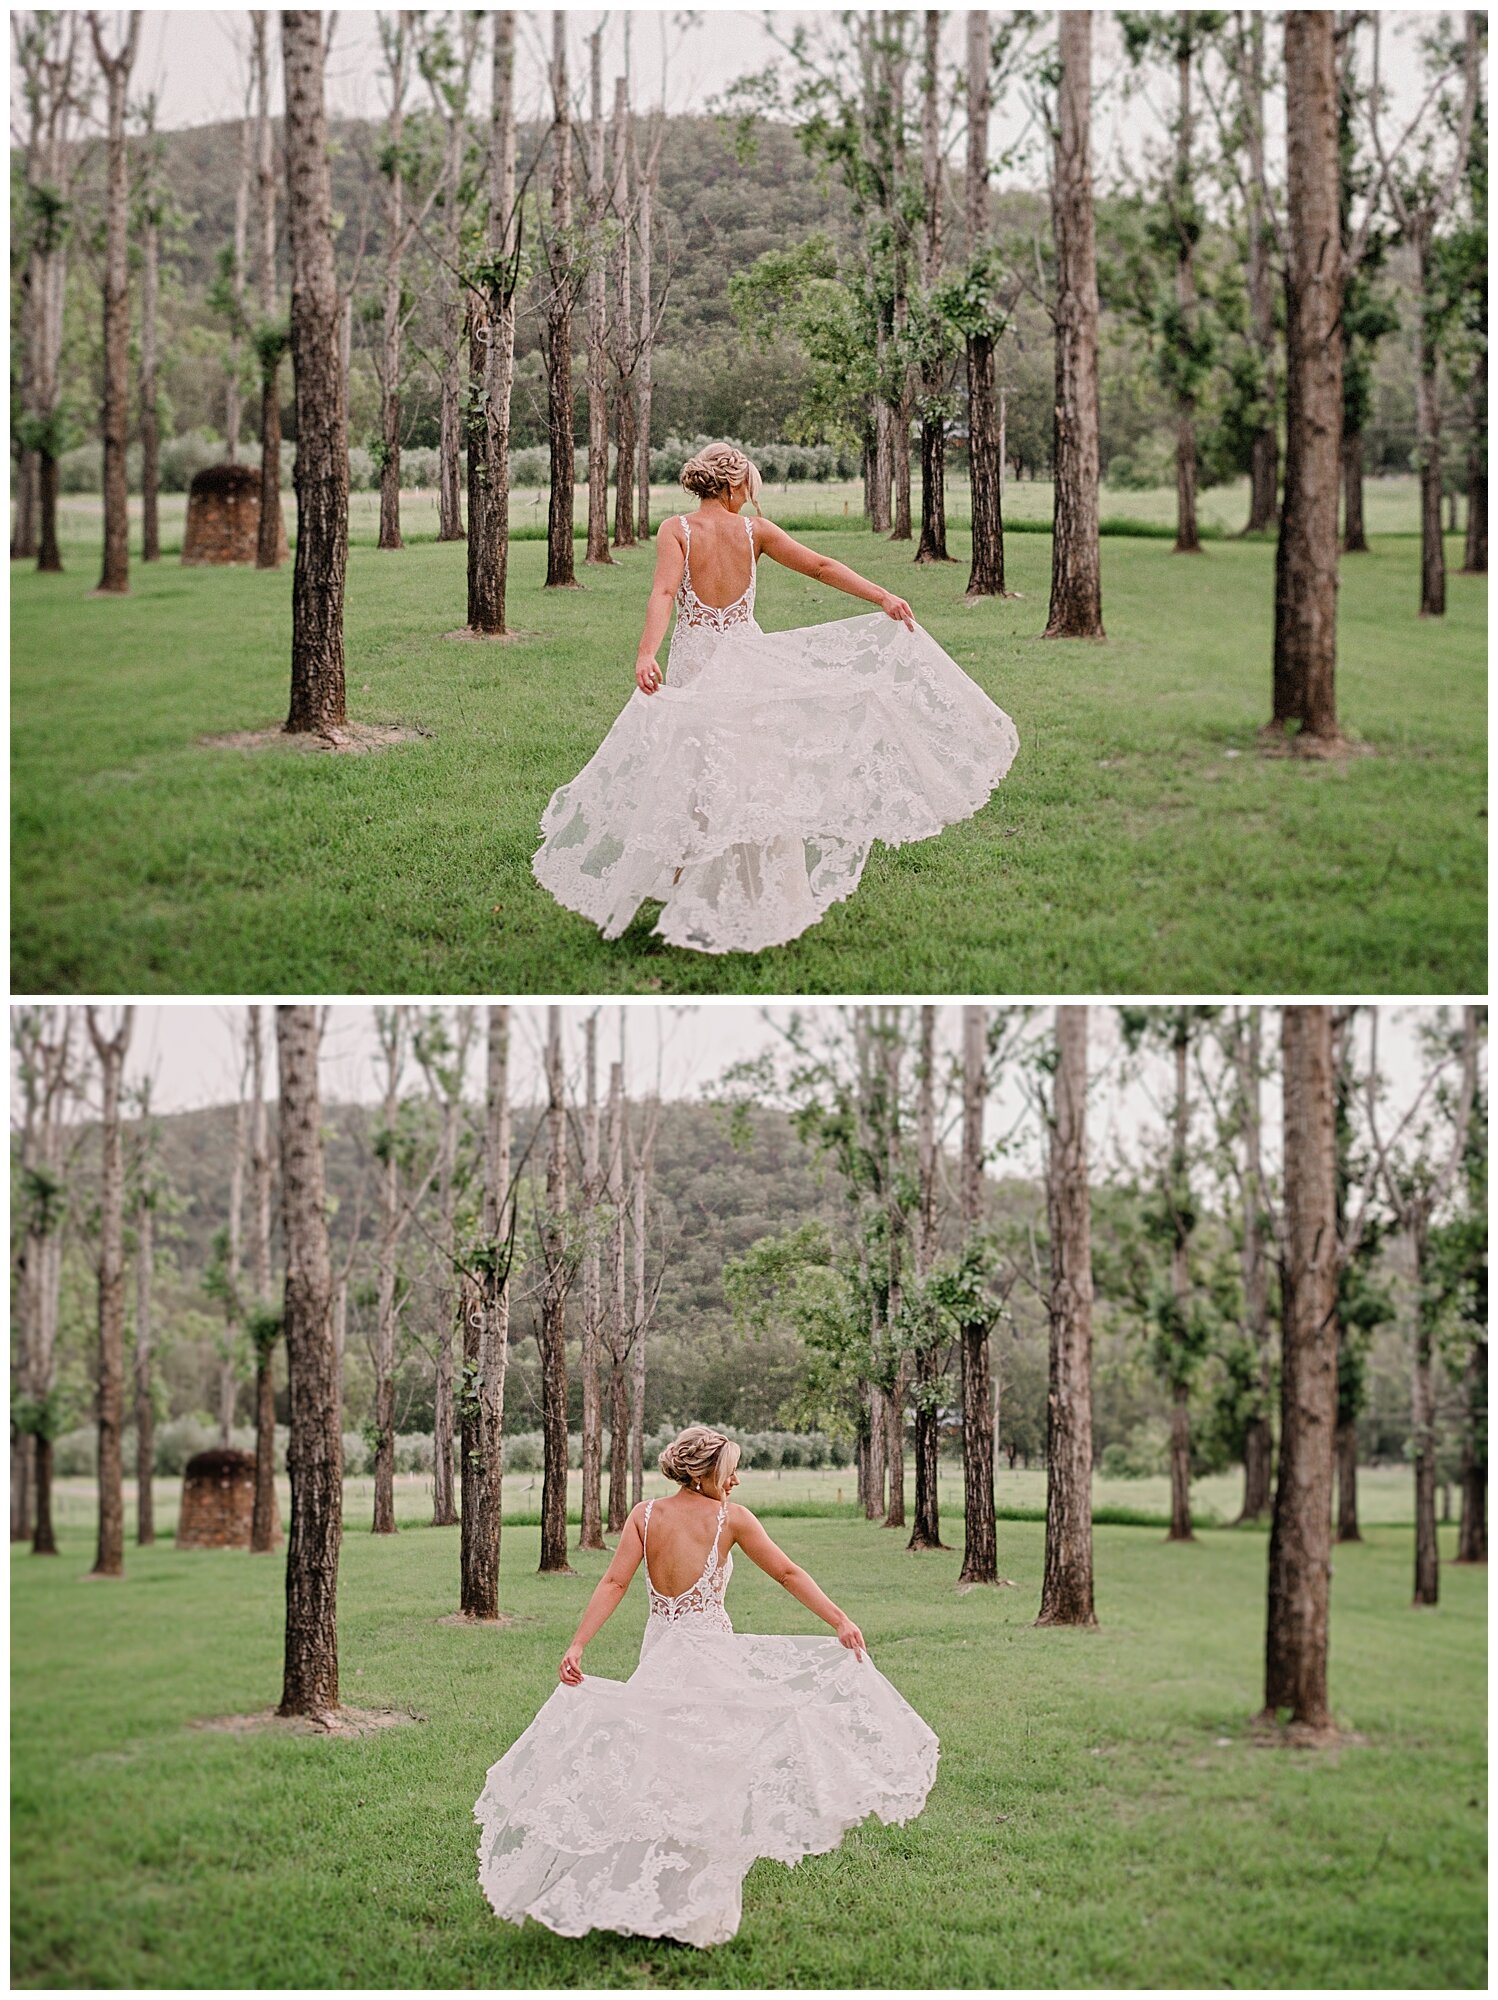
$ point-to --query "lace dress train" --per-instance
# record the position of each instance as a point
(640, 1805)
(746, 792)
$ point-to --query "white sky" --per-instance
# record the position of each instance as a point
(187, 1051)
(197, 60)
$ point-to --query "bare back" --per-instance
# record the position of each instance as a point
(721, 557)
(678, 1540)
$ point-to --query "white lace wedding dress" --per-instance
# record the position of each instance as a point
(746, 792)
(639, 1805)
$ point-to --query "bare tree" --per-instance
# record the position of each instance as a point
(398, 36)
(1066, 1593)
(980, 1559)
(590, 1194)
(448, 68)
(597, 376)
(1264, 460)
(151, 205)
(115, 421)
(1305, 568)
(146, 1193)
(985, 460)
(486, 1345)
(552, 1334)
(266, 1321)
(929, 1370)
(318, 374)
(622, 323)
(110, 1049)
(641, 1165)
(270, 335)
(932, 546)
(1300, 1539)
(1258, 1441)
(442, 1050)
(391, 1032)
(1416, 1188)
(891, 1053)
(314, 1452)
(43, 1045)
(563, 274)
(232, 1269)
(1076, 586)
(491, 357)
(1420, 193)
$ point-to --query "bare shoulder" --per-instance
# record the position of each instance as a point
(669, 534)
(740, 1516)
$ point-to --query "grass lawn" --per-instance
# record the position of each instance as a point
(1101, 1816)
(1139, 845)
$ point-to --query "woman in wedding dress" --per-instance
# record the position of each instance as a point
(639, 1805)
(744, 789)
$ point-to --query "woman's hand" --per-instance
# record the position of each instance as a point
(647, 674)
(570, 1672)
(849, 1635)
(896, 607)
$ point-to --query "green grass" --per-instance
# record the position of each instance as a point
(1101, 1816)
(1139, 845)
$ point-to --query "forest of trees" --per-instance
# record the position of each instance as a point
(760, 236)
(820, 1245)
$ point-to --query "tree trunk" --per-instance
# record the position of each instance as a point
(1066, 1594)
(1354, 533)
(321, 474)
(1347, 1483)
(878, 1450)
(396, 53)
(44, 1543)
(890, 1052)
(980, 1556)
(150, 435)
(1305, 567)
(1428, 434)
(1188, 540)
(110, 1557)
(271, 548)
(1258, 1442)
(486, 1347)
(115, 419)
(1472, 1537)
(623, 328)
(926, 1533)
(314, 1452)
(1300, 1540)
(1076, 584)
(1423, 1433)
(1475, 555)
(645, 366)
(640, 1171)
(145, 1414)
(265, 1522)
(23, 540)
(391, 1031)
(559, 552)
(49, 554)
(597, 372)
(553, 1328)
(618, 1445)
(492, 363)
(1180, 1286)
(590, 1535)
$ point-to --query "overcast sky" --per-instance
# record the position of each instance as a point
(188, 1052)
(197, 60)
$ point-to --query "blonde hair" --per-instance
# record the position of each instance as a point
(698, 1453)
(717, 468)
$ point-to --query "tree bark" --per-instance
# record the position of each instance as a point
(1472, 1536)
(1305, 570)
(314, 1452)
(1295, 1674)
(1258, 1442)
(926, 1533)
(1423, 1429)
(265, 1522)
(115, 418)
(1475, 554)
(559, 551)
(150, 430)
(1354, 532)
(623, 328)
(1188, 539)
(492, 361)
(1428, 432)
(321, 474)
(1180, 1286)
(640, 1163)
(1076, 610)
(618, 1311)
(391, 1031)
(397, 55)
(1347, 1483)
(110, 1050)
(1066, 1593)
(895, 1233)
(1264, 455)
(486, 1347)
(645, 181)
(553, 1328)
(980, 1557)
(590, 1535)
(271, 548)
(145, 1414)
(932, 546)
(597, 373)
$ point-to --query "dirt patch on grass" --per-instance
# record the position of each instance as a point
(1266, 1734)
(500, 1624)
(1275, 742)
(466, 632)
(339, 1722)
(356, 739)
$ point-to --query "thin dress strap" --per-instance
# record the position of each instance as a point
(712, 1554)
(645, 1543)
(686, 570)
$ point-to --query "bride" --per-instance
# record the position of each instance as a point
(745, 788)
(639, 1805)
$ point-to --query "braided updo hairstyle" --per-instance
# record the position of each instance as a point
(698, 1453)
(719, 467)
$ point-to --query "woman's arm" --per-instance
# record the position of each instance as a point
(670, 561)
(796, 555)
(756, 1544)
(605, 1600)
